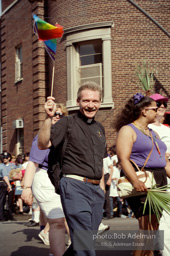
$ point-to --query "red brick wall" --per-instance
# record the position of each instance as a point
(134, 38)
(5, 4)
(25, 98)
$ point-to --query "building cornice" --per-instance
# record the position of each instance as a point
(88, 26)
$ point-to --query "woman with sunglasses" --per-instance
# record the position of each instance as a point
(157, 126)
(164, 134)
(135, 141)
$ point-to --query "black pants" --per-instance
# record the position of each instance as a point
(107, 207)
(10, 202)
(3, 188)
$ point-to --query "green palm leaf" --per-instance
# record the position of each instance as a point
(145, 76)
(158, 200)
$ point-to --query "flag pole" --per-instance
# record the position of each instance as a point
(52, 83)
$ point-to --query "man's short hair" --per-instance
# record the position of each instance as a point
(89, 85)
(63, 108)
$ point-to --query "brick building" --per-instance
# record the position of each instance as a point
(104, 41)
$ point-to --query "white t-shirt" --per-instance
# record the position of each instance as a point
(114, 158)
(115, 176)
(24, 165)
(106, 163)
(163, 132)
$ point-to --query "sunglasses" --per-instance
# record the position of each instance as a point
(5, 157)
(159, 103)
(153, 108)
(58, 114)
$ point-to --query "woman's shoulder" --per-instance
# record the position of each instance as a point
(128, 128)
(127, 131)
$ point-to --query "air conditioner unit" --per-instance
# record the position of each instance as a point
(19, 123)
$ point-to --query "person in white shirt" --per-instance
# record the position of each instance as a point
(162, 130)
(114, 197)
(113, 187)
(108, 172)
(164, 134)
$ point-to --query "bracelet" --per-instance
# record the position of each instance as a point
(26, 187)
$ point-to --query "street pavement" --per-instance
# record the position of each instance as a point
(16, 239)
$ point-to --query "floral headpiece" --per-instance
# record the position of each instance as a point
(137, 97)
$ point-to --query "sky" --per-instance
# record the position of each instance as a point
(0, 6)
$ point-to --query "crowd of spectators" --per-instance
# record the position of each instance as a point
(12, 169)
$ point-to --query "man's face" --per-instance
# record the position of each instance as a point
(57, 116)
(6, 160)
(89, 103)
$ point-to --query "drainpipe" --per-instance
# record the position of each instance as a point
(152, 19)
(0, 139)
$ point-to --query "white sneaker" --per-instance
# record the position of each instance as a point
(102, 228)
(44, 237)
(123, 216)
(68, 243)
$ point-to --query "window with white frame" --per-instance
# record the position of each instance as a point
(18, 63)
(89, 59)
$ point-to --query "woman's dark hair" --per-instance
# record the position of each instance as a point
(167, 118)
(26, 154)
(131, 111)
(19, 159)
(113, 150)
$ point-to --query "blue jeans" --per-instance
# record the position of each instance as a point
(82, 204)
(119, 205)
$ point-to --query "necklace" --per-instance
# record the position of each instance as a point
(150, 135)
(141, 129)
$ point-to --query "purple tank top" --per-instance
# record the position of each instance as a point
(39, 156)
(142, 147)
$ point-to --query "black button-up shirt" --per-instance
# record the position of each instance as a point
(85, 149)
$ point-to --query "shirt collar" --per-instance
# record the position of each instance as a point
(85, 119)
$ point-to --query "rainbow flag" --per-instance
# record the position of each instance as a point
(45, 30)
(47, 33)
(51, 47)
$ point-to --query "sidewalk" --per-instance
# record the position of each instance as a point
(19, 240)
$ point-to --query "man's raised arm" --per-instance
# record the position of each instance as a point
(45, 130)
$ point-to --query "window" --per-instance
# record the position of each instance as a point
(89, 59)
(18, 64)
